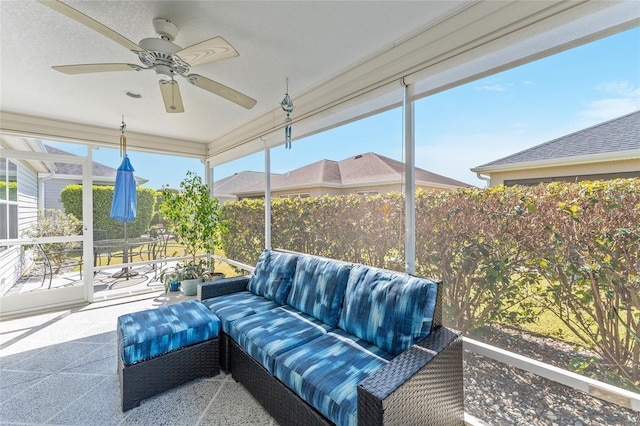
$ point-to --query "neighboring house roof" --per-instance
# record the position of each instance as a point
(99, 170)
(228, 186)
(360, 170)
(617, 139)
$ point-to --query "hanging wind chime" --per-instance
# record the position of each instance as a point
(287, 106)
(123, 139)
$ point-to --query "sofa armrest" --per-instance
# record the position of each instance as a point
(422, 385)
(222, 286)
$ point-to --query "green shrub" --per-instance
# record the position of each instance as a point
(503, 254)
(588, 246)
(71, 197)
(469, 240)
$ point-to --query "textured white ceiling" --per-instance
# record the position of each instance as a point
(306, 41)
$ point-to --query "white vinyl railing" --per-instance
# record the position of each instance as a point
(595, 388)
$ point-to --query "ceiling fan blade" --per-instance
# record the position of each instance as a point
(89, 68)
(171, 96)
(221, 90)
(206, 51)
(91, 23)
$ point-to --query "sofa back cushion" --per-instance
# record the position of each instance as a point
(273, 275)
(318, 288)
(389, 309)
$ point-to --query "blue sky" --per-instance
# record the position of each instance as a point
(463, 127)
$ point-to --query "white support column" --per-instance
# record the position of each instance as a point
(87, 224)
(208, 175)
(267, 196)
(410, 182)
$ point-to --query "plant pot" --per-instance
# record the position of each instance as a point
(190, 287)
(216, 276)
(174, 285)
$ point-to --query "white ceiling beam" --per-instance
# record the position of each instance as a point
(51, 129)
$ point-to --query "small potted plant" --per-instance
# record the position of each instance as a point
(194, 273)
(171, 278)
(194, 218)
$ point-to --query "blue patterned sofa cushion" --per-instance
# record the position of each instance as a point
(154, 332)
(268, 334)
(234, 306)
(318, 288)
(273, 275)
(389, 309)
(326, 372)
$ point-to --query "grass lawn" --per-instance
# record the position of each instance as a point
(547, 324)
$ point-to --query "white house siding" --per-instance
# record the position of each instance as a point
(27, 198)
(12, 260)
(52, 190)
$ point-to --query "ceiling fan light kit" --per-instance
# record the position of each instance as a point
(163, 56)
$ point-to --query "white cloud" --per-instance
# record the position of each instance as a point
(608, 108)
(622, 88)
(622, 98)
(493, 84)
(494, 87)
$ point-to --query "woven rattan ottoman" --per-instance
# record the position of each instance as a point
(161, 348)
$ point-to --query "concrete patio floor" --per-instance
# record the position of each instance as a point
(60, 368)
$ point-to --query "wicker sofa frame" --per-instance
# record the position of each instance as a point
(422, 385)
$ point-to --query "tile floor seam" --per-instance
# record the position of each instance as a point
(98, 348)
(45, 377)
(213, 398)
(74, 401)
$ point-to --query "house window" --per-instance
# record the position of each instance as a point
(8, 200)
(367, 192)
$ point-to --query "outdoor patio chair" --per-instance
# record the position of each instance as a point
(58, 257)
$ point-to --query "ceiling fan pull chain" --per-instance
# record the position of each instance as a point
(287, 106)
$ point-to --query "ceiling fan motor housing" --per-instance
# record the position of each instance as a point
(159, 54)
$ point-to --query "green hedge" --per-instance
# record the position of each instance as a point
(71, 197)
(503, 254)
(352, 228)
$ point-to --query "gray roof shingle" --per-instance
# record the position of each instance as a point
(617, 135)
(231, 184)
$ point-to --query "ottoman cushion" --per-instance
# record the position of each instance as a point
(146, 334)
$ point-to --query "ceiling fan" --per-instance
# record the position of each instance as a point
(161, 55)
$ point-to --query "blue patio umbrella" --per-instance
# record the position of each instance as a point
(124, 203)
